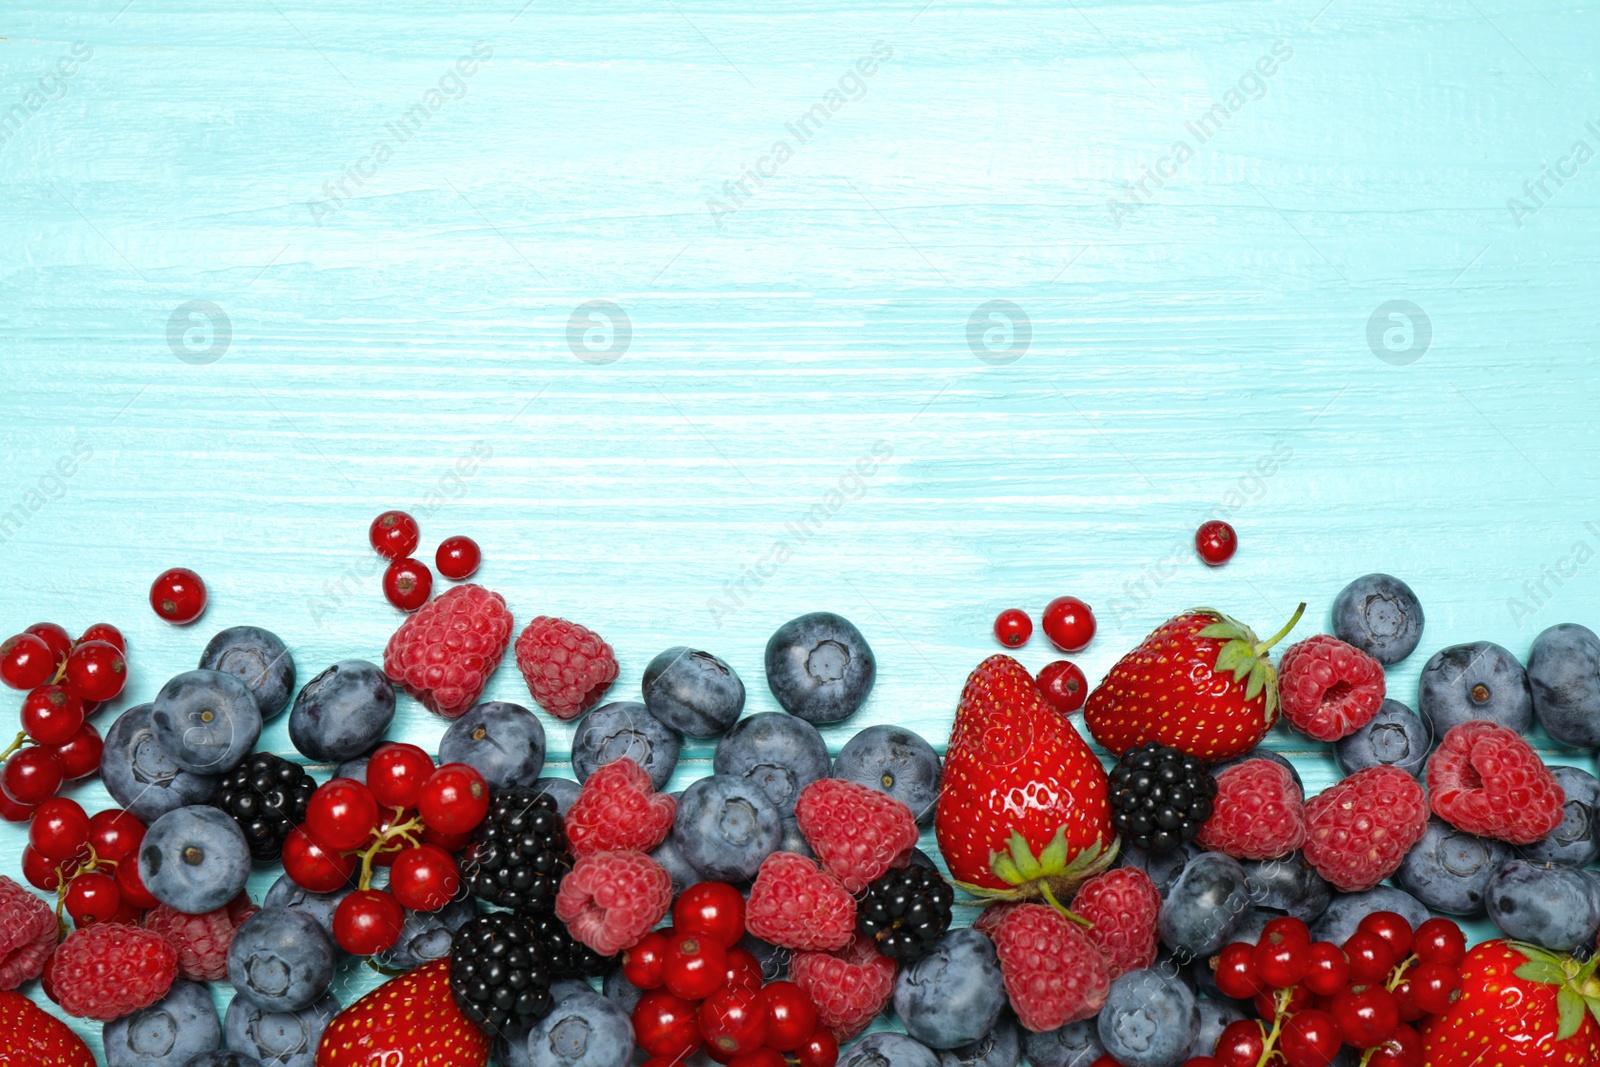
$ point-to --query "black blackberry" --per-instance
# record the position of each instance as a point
(267, 796)
(519, 852)
(1160, 797)
(905, 911)
(567, 958)
(499, 976)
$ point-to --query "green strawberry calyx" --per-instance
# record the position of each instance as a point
(1245, 656)
(1052, 874)
(1577, 988)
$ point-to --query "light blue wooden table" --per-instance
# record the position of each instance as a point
(1082, 275)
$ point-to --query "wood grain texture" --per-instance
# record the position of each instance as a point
(388, 332)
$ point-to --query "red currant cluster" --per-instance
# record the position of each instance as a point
(410, 817)
(407, 582)
(703, 991)
(1320, 996)
(1069, 624)
(88, 861)
(67, 681)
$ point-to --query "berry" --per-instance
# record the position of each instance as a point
(1365, 1015)
(1480, 681)
(51, 714)
(1552, 907)
(1122, 904)
(1069, 623)
(178, 595)
(1380, 615)
(194, 859)
(1429, 987)
(896, 762)
(733, 1020)
(341, 815)
(796, 905)
(644, 964)
(1573, 843)
(109, 970)
(407, 583)
(519, 852)
(1259, 814)
(857, 833)
(95, 671)
(1449, 869)
(368, 921)
(726, 827)
(567, 667)
(424, 878)
(92, 897)
(848, 988)
(1203, 906)
(1054, 974)
(625, 728)
(171, 1032)
(1160, 798)
(1439, 941)
(1216, 542)
(1345, 912)
(1150, 1018)
(42, 872)
(140, 776)
(1359, 829)
(693, 692)
(611, 899)
(1310, 1039)
(26, 661)
(1242, 1044)
(104, 631)
(779, 753)
(666, 1026)
(281, 960)
(953, 994)
(56, 637)
(1012, 627)
(412, 1020)
(1328, 689)
(259, 659)
(1235, 972)
(445, 652)
(396, 772)
(31, 776)
(206, 721)
(1392, 927)
(1487, 780)
(27, 934)
(1393, 737)
(584, 1030)
(820, 1050)
(619, 808)
(458, 557)
(819, 667)
(267, 796)
(498, 973)
(1371, 957)
(426, 936)
(394, 535)
(1517, 1006)
(454, 799)
(714, 909)
(1564, 673)
(342, 712)
(504, 741)
(905, 911)
(1282, 960)
(202, 941)
(791, 1018)
(1063, 686)
(1328, 969)
(31, 1036)
(60, 829)
(79, 756)
(11, 811)
(312, 867)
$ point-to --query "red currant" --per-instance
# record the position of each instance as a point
(1236, 971)
(1300, 998)
(127, 915)
(451, 843)
(643, 963)
(1403, 1049)
(424, 878)
(756, 1057)
(734, 1020)
(1012, 627)
(11, 811)
(104, 631)
(96, 670)
(1371, 958)
(1242, 1044)
(31, 776)
(1282, 961)
(1431, 987)
(1069, 623)
(693, 966)
(51, 715)
(1366, 1015)
(394, 535)
(178, 595)
(1392, 927)
(25, 661)
(1440, 941)
(743, 969)
(1063, 686)
(407, 583)
(665, 1025)
(791, 1017)
(42, 872)
(1288, 928)
(455, 798)
(93, 897)
(458, 557)
(395, 774)
(56, 637)
(820, 1050)
(1216, 542)
(368, 921)
(309, 866)
(341, 815)
(79, 756)
(1329, 970)
(1310, 1039)
(60, 829)
(131, 886)
(115, 834)
(715, 909)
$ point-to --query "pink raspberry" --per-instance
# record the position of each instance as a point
(795, 904)
(1486, 780)
(445, 652)
(27, 934)
(849, 987)
(992, 916)
(109, 970)
(567, 667)
(857, 833)
(202, 941)
(1122, 904)
(1328, 689)
(1358, 830)
(619, 808)
(1258, 813)
(609, 900)
(1054, 974)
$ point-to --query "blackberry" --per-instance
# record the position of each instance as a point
(499, 976)
(267, 796)
(1160, 797)
(519, 852)
(905, 911)
(567, 958)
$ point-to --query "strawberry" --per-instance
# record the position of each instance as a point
(1519, 1005)
(1201, 683)
(411, 1020)
(1023, 809)
(35, 1038)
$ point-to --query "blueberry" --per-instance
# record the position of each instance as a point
(278, 1038)
(1149, 1019)
(774, 959)
(725, 827)
(169, 1033)
(693, 692)
(795, 841)
(1573, 843)
(354, 769)
(194, 859)
(1290, 885)
(257, 658)
(1348, 909)
(779, 753)
(563, 988)
(1261, 753)
(343, 712)
(1000, 1047)
(1203, 906)
(624, 728)
(819, 667)
(621, 992)
(1380, 615)
(1480, 680)
(1564, 671)
(503, 741)
(1552, 907)
(1162, 867)
(280, 961)
(671, 859)
(1073, 1045)
(426, 936)
(223, 1059)
(1215, 1015)
(320, 906)
(887, 1049)
(584, 1030)
(896, 762)
(139, 774)
(1394, 738)
(562, 790)
(206, 721)
(1449, 869)
(953, 995)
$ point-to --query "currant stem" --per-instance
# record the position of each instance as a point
(1281, 634)
(1399, 974)
(406, 830)
(22, 739)
(1282, 1002)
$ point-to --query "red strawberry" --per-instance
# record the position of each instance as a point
(1201, 683)
(35, 1038)
(1023, 809)
(410, 1020)
(1519, 1006)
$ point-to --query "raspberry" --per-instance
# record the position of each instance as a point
(1358, 830)
(1122, 904)
(992, 916)
(619, 808)
(109, 970)
(1488, 781)
(1259, 813)
(1054, 973)
(848, 987)
(857, 833)
(795, 904)
(1328, 689)
(445, 652)
(610, 900)
(202, 941)
(567, 666)
(27, 934)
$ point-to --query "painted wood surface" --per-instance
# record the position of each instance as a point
(1323, 268)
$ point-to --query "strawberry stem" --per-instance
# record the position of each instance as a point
(1050, 897)
(1281, 634)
